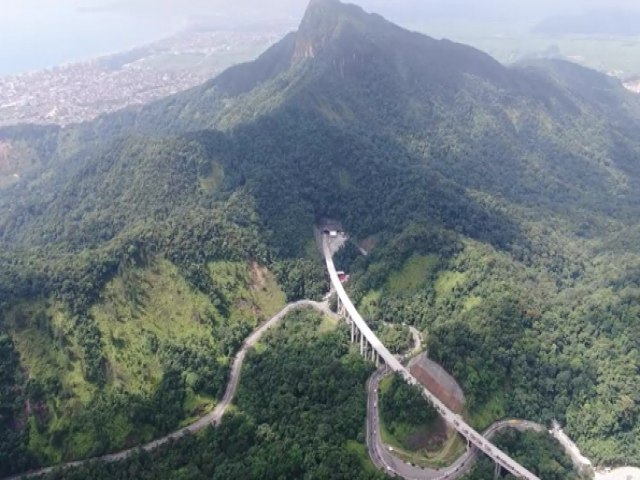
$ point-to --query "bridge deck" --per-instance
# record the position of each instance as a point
(394, 364)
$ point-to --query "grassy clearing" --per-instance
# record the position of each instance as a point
(447, 281)
(40, 445)
(43, 335)
(146, 317)
(195, 406)
(488, 413)
(214, 180)
(165, 310)
(444, 456)
(253, 290)
(413, 275)
(266, 294)
(384, 385)
(329, 324)
(361, 451)
(450, 452)
(259, 347)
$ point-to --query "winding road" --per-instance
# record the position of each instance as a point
(453, 419)
(214, 417)
(384, 458)
(379, 452)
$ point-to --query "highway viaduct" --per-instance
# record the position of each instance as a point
(372, 348)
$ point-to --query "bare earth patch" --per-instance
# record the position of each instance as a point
(438, 380)
(624, 473)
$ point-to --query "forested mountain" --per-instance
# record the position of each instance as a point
(550, 135)
(505, 198)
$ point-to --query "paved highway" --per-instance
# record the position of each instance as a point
(385, 459)
(216, 415)
(394, 364)
(417, 343)
(379, 452)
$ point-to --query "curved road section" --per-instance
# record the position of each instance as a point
(216, 415)
(394, 364)
(385, 459)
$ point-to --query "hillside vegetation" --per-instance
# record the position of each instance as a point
(301, 401)
(501, 203)
(551, 461)
(525, 339)
(163, 353)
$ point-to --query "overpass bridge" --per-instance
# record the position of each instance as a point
(372, 348)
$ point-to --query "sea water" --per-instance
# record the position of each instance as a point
(38, 34)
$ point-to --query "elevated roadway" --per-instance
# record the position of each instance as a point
(456, 421)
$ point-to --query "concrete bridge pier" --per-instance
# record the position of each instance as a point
(366, 349)
(369, 340)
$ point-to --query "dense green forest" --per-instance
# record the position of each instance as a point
(113, 346)
(499, 207)
(403, 409)
(299, 413)
(410, 425)
(550, 460)
(523, 341)
(402, 405)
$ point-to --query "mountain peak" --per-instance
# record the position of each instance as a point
(316, 7)
(321, 21)
(323, 3)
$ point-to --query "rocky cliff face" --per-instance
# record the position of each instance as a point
(316, 29)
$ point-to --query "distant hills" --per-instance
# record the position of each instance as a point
(607, 22)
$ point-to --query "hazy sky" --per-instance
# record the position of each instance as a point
(15, 12)
(39, 33)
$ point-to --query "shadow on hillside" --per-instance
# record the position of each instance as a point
(300, 167)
